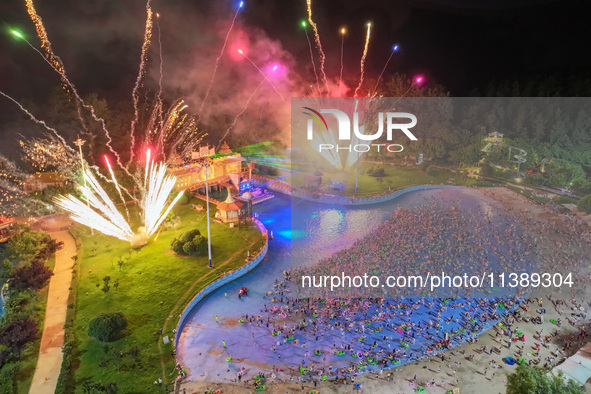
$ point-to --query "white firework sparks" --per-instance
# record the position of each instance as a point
(158, 188)
(109, 221)
(102, 215)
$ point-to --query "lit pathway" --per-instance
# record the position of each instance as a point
(50, 351)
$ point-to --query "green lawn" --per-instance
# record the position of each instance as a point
(154, 287)
(396, 177)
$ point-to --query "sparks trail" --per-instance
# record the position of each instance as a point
(141, 73)
(79, 100)
(217, 61)
(263, 74)
(40, 122)
(104, 178)
(55, 62)
(117, 185)
(159, 96)
(363, 58)
(416, 81)
(394, 49)
(343, 32)
(318, 43)
(312, 57)
(45, 43)
(241, 112)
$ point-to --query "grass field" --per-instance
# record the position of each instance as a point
(398, 177)
(395, 177)
(154, 287)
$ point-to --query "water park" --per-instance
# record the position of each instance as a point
(320, 205)
(284, 337)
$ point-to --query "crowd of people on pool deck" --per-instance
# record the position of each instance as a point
(435, 238)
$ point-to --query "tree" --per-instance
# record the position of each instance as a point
(582, 186)
(17, 333)
(562, 173)
(107, 327)
(134, 352)
(26, 246)
(33, 276)
(584, 204)
(5, 269)
(49, 249)
(535, 379)
(106, 287)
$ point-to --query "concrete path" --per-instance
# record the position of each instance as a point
(50, 352)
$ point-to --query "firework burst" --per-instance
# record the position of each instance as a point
(99, 212)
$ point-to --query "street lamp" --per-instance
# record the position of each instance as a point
(206, 167)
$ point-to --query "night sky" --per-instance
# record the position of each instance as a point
(460, 44)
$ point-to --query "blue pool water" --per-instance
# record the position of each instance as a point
(313, 230)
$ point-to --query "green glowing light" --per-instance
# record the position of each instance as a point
(303, 23)
(17, 34)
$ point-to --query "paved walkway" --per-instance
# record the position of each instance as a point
(50, 352)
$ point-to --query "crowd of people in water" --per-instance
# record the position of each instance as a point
(433, 237)
(325, 336)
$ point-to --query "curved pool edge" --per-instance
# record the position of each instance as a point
(324, 198)
(216, 284)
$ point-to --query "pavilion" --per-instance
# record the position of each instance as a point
(228, 210)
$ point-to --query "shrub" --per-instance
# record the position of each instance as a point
(177, 246)
(7, 374)
(196, 247)
(66, 368)
(585, 204)
(34, 276)
(16, 334)
(191, 243)
(189, 235)
(107, 327)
